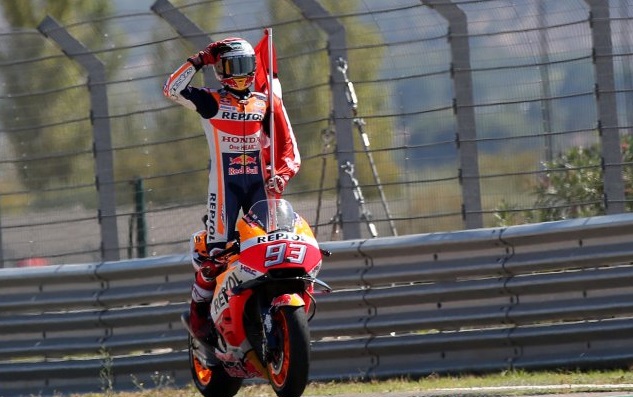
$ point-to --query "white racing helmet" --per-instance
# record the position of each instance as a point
(236, 67)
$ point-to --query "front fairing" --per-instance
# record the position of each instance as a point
(273, 236)
(281, 249)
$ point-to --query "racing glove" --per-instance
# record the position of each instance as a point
(211, 267)
(210, 55)
(277, 184)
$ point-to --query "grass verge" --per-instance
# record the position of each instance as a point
(507, 382)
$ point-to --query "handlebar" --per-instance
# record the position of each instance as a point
(233, 249)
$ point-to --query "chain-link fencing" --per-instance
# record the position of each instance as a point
(411, 117)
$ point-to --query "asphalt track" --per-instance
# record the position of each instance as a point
(487, 393)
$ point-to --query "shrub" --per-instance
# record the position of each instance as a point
(571, 187)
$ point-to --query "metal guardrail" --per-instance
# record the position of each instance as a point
(534, 296)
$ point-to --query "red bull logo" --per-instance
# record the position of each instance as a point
(243, 160)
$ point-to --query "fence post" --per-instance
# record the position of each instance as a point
(104, 174)
(546, 91)
(188, 30)
(625, 39)
(464, 109)
(337, 49)
(139, 217)
(1, 251)
(607, 106)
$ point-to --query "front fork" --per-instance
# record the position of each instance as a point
(272, 341)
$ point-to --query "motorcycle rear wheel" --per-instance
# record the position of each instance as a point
(211, 381)
(289, 366)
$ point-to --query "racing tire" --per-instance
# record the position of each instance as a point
(211, 381)
(289, 366)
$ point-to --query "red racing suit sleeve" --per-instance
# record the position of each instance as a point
(287, 157)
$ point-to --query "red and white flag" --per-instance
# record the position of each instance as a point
(262, 70)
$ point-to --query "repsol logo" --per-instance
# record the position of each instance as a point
(279, 236)
(222, 299)
(212, 219)
(241, 116)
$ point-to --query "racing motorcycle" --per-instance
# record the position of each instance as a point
(261, 306)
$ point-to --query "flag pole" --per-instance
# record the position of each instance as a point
(271, 102)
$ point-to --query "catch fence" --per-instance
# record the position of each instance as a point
(411, 117)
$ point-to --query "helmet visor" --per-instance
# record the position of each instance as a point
(236, 66)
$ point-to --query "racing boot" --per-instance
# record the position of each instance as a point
(200, 322)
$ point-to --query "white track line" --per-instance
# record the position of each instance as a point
(592, 387)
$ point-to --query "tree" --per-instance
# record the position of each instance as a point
(572, 187)
(46, 115)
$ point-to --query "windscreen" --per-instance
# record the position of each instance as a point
(272, 215)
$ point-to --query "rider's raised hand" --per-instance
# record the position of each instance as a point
(210, 55)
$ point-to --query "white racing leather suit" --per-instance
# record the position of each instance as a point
(236, 128)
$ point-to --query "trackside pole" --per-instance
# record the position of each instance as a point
(359, 122)
(271, 101)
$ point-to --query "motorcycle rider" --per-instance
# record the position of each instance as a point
(236, 123)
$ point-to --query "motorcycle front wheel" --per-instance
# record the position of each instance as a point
(289, 364)
(211, 381)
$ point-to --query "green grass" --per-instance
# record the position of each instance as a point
(510, 382)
